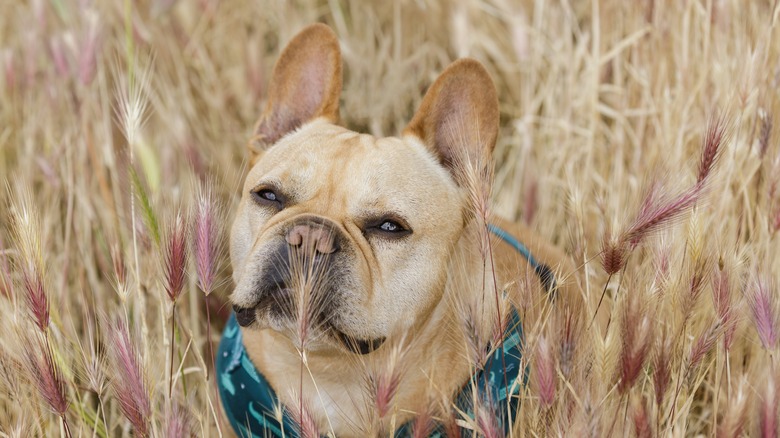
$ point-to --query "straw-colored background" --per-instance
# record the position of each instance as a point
(597, 99)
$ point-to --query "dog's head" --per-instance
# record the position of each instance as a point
(341, 237)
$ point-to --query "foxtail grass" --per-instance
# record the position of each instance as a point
(129, 385)
(115, 113)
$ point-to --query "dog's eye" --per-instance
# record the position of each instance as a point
(389, 228)
(268, 197)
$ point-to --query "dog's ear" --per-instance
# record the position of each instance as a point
(458, 118)
(305, 84)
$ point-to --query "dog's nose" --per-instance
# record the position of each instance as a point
(313, 238)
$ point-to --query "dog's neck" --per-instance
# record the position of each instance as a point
(334, 388)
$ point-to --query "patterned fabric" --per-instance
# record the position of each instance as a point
(254, 411)
(248, 400)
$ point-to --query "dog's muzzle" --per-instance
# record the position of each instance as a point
(303, 258)
(307, 258)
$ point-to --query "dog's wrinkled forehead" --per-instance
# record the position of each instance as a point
(456, 123)
(334, 169)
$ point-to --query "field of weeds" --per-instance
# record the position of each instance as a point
(640, 136)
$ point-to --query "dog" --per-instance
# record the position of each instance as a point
(351, 253)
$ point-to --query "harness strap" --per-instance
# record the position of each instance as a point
(543, 271)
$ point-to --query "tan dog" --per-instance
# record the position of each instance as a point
(355, 248)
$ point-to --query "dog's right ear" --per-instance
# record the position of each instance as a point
(458, 117)
(305, 84)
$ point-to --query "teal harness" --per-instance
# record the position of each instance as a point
(254, 410)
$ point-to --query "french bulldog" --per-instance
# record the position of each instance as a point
(352, 252)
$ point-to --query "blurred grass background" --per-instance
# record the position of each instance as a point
(597, 99)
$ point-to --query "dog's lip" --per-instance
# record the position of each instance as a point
(245, 316)
(359, 346)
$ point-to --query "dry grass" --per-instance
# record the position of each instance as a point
(113, 113)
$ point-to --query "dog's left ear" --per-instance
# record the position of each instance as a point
(458, 118)
(305, 84)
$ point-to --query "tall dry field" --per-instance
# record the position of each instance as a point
(122, 134)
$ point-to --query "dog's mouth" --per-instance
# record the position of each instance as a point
(278, 305)
(304, 290)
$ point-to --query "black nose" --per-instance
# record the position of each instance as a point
(244, 316)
